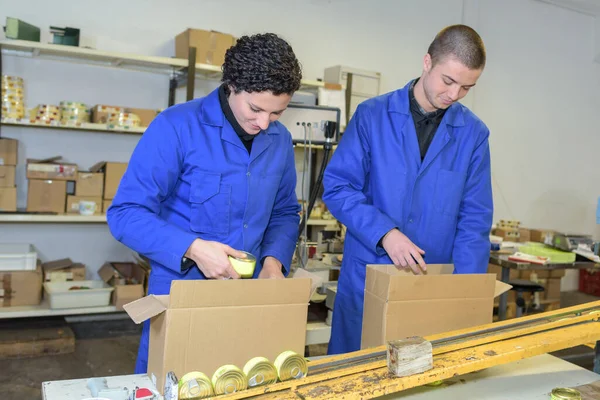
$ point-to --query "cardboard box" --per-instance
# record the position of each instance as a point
(21, 288)
(100, 112)
(496, 269)
(204, 324)
(63, 270)
(8, 151)
(105, 205)
(541, 235)
(7, 175)
(51, 168)
(8, 199)
(146, 115)
(210, 45)
(524, 235)
(113, 172)
(73, 204)
(47, 196)
(399, 304)
(129, 280)
(89, 184)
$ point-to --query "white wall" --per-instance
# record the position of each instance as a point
(537, 94)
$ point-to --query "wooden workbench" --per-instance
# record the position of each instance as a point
(529, 379)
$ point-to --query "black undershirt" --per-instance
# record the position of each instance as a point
(426, 123)
(242, 134)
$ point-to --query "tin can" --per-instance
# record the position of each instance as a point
(565, 394)
(260, 371)
(229, 379)
(290, 365)
(244, 266)
(195, 385)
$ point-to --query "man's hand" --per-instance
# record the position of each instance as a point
(271, 269)
(403, 252)
(212, 259)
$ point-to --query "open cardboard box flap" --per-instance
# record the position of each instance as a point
(381, 283)
(226, 293)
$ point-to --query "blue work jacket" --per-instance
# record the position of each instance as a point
(376, 181)
(190, 177)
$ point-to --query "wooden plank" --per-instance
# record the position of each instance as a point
(24, 343)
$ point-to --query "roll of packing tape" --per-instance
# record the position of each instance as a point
(260, 371)
(72, 104)
(229, 379)
(109, 109)
(565, 394)
(11, 97)
(13, 104)
(244, 266)
(195, 385)
(290, 365)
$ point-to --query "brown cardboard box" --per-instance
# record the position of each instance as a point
(204, 324)
(47, 196)
(524, 235)
(105, 205)
(7, 176)
(496, 269)
(210, 45)
(63, 270)
(51, 168)
(539, 235)
(128, 279)
(89, 184)
(113, 172)
(146, 115)
(100, 112)
(8, 151)
(399, 304)
(8, 199)
(21, 288)
(73, 204)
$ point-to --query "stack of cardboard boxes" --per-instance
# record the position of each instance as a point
(59, 187)
(8, 162)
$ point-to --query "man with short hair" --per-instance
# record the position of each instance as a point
(411, 179)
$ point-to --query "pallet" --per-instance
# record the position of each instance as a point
(25, 343)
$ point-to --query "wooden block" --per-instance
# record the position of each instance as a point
(36, 342)
(409, 356)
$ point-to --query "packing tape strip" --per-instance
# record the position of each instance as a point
(10, 78)
(260, 371)
(195, 385)
(290, 365)
(229, 379)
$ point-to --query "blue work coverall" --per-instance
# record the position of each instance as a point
(376, 181)
(190, 177)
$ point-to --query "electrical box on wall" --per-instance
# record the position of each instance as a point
(307, 123)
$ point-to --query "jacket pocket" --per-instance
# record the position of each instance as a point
(449, 192)
(210, 204)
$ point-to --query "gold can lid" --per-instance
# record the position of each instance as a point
(249, 257)
(565, 394)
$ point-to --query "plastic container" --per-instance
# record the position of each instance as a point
(60, 296)
(17, 257)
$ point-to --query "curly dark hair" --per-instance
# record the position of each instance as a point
(262, 62)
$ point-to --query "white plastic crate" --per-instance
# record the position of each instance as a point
(17, 257)
(59, 295)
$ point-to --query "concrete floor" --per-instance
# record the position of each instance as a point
(101, 349)
(106, 348)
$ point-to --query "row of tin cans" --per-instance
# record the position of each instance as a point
(230, 378)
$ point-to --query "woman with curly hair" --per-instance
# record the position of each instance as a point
(216, 175)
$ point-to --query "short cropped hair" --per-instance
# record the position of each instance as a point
(262, 62)
(460, 42)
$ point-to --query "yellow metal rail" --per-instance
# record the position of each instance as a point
(364, 374)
